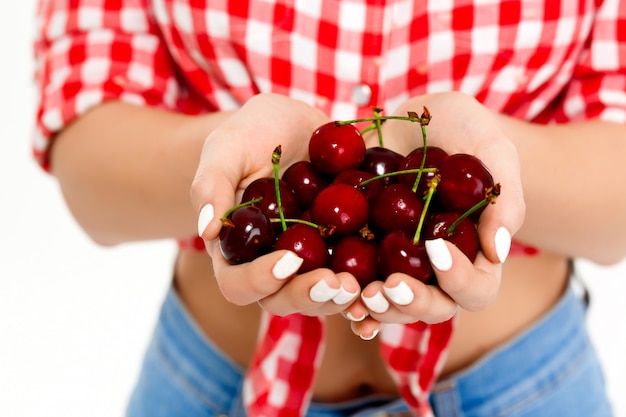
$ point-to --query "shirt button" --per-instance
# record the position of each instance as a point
(361, 95)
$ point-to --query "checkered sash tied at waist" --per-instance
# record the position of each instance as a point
(280, 379)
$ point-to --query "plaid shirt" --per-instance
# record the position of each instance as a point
(545, 61)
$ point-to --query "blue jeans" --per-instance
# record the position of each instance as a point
(549, 370)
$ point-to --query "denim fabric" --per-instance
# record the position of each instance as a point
(549, 370)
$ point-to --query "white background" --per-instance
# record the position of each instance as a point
(75, 318)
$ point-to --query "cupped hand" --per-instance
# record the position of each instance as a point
(235, 154)
(459, 124)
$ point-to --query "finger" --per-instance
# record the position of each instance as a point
(502, 219)
(252, 281)
(213, 190)
(366, 329)
(472, 286)
(357, 311)
(498, 223)
(403, 299)
(312, 293)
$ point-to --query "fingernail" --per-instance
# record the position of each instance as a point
(372, 336)
(287, 266)
(377, 303)
(503, 243)
(401, 294)
(439, 254)
(206, 215)
(344, 296)
(350, 317)
(321, 292)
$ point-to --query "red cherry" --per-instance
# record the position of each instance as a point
(398, 253)
(396, 208)
(464, 183)
(464, 235)
(306, 182)
(340, 206)
(357, 256)
(307, 243)
(334, 147)
(245, 235)
(379, 161)
(413, 160)
(355, 177)
(265, 189)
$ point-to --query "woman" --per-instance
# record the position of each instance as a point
(141, 102)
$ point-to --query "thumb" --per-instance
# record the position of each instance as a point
(212, 198)
(213, 191)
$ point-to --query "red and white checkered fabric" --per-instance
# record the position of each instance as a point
(545, 61)
(283, 369)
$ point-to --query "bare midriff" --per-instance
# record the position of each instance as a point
(352, 367)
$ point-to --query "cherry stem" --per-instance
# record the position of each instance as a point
(432, 187)
(377, 123)
(394, 173)
(491, 195)
(423, 163)
(276, 163)
(226, 222)
(411, 116)
(324, 231)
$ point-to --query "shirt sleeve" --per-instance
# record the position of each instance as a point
(88, 52)
(598, 87)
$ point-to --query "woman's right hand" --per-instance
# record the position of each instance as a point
(235, 154)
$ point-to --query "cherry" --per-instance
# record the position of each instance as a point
(355, 177)
(398, 252)
(413, 160)
(462, 232)
(307, 243)
(340, 206)
(265, 189)
(356, 255)
(379, 160)
(246, 233)
(396, 208)
(335, 147)
(306, 182)
(465, 181)
(323, 209)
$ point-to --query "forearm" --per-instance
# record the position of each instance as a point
(573, 184)
(125, 171)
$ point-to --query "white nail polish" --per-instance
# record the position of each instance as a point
(503, 243)
(206, 215)
(344, 297)
(439, 254)
(287, 266)
(377, 303)
(350, 317)
(321, 292)
(401, 294)
(372, 336)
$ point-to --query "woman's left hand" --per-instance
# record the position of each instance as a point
(459, 124)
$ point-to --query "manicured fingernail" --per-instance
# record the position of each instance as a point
(350, 317)
(377, 303)
(401, 294)
(344, 297)
(370, 337)
(321, 292)
(206, 215)
(287, 265)
(503, 243)
(439, 254)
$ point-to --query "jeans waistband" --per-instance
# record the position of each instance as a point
(560, 330)
(522, 367)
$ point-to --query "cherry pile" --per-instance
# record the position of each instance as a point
(366, 211)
